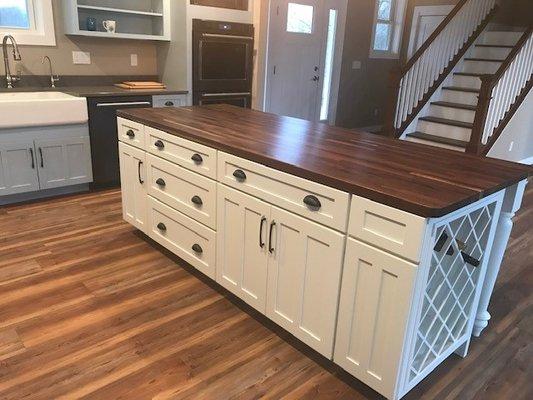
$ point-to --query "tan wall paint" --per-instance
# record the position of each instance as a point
(108, 56)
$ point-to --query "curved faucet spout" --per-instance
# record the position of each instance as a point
(16, 56)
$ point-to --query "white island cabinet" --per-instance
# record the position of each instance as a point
(384, 293)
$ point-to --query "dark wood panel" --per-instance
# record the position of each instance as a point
(420, 179)
(135, 322)
(233, 4)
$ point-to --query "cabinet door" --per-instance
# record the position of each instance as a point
(242, 255)
(64, 161)
(133, 185)
(373, 313)
(303, 278)
(18, 169)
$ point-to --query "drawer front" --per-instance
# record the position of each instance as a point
(190, 193)
(285, 190)
(190, 155)
(178, 100)
(385, 227)
(131, 132)
(183, 236)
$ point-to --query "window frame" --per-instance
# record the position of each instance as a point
(396, 21)
(41, 31)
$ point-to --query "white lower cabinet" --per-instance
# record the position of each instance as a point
(373, 313)
(18, 168)
(242, 248)
(133, 185)
(304, 271)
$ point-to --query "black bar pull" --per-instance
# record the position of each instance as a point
(32, 159)
(261, 243)
(197, 200)
(42, 159)
(197, 248)
(169, 103)
(240, 175)
(161, 182)
(470, 260)
(441, 242)
(159, 144)
(312, 202)
(130, 133)
(270, 247)
(161, 226)
(139, 171)
(197, 158)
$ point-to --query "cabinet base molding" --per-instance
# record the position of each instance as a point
(43, 194)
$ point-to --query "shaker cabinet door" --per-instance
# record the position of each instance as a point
(303, 278)
(18, 168)
(133, 185)
(373, 312)
(242, 254)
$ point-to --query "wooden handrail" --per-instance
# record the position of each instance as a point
(512, 55)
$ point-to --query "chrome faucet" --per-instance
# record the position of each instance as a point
(53, 79)
(10, 79)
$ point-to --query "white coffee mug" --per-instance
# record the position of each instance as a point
(110, 25)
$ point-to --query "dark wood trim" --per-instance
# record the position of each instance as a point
(395, 77)
(512, 55)
(485, 95)
(507, 117)
(231, 4)
(445, 73)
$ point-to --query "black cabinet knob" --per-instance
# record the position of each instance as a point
(197, 200)
(161, 182)
(197, 248)
(312, 202)
(169, 103)
(159, 144)
(161, 226)
(130, 134)
(197, 158)
(240, 175)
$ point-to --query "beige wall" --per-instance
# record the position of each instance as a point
(108, 56)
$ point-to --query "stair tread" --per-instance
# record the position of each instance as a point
(505, 46)
(478, 74)
(447, 121)
(438, 139)
(454, 105)
(484, 59)
(461, 89)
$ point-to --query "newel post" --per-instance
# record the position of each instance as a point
(485, 95)
(395, 78)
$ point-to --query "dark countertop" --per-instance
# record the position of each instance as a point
(423, 180)
(96, 91)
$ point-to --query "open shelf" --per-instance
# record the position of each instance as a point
(119, 10)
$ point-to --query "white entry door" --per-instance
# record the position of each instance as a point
(298, 37)
(425, 20)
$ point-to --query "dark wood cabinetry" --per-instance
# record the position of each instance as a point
(233, 4)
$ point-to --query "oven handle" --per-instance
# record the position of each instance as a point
(216, 35)
(225, 94)
(130, 103)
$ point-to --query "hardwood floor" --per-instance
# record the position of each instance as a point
(90, 308)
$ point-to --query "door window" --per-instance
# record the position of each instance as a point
(300, 18)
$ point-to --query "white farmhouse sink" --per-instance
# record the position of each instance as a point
(20, 109)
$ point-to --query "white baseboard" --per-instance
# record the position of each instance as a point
(527, 161)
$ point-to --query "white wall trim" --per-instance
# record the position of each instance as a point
(41, 32)
(527, 161)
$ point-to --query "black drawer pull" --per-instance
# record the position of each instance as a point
(130, 134)
(169, 103)
(470, 260)
(197, 158)
(32, 159)
(313, 202)
(161, 226)
(161, 182)
(159, 144)
(261, 243)
(240, 175)
(139, 172)
(197, 200)
(197, 248)
(270, 247)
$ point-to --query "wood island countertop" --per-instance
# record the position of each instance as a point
(423, 180)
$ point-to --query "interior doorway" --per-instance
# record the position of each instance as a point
(305, 39)
(425, 20)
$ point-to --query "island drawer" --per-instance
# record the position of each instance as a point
(317, 202)
(193, 156)
(186, 191)
(131, 132)
(188, 239)
(388, 228)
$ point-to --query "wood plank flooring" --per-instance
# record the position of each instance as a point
(90, 308)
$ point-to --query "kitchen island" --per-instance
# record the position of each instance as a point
(376, 253)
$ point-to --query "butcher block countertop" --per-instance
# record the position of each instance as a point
(413, 177)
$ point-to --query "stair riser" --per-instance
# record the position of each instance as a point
(456, 114)
(435, 144)
(499, 53)
(481, 67)
(453, 96)
(448, 131)
(472, 82)
(505, 38)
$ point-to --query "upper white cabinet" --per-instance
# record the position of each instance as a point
(304, 272)
(18, 168)
(133, 182)
(140, 19)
